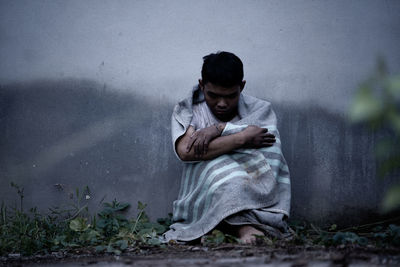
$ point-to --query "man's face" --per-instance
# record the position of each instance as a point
(222, 101)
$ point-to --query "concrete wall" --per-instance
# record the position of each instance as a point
(87, 90)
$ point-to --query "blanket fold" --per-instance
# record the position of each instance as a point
(247, 186)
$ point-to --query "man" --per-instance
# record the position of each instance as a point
(235, 176)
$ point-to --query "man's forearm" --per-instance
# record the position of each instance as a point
(251, 137)
(217, 147)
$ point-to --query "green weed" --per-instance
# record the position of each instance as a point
(216, 237)
(108, 231)
(380, 234)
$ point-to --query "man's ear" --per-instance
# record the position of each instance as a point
(201, 85)
(242, 84)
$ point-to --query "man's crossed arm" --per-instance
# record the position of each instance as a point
(207, 143)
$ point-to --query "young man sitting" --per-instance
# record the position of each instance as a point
(235, 175)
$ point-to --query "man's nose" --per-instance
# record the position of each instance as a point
(222, 103)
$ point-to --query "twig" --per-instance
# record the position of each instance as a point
(76, 214)
(369, 224)
(319, 231)
(137, 219)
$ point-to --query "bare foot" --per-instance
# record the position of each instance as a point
(246, 234)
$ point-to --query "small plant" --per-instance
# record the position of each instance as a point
(110, 218)
(20, 192)
(379, 234)
(217, 237)
(108, 231)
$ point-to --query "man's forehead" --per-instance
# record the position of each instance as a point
(220, 89)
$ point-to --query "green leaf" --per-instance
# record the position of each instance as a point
(166, 222)
(365, 106)
(160, 229)
(216, 238)
(379, 235)
(384, 148)
(394, 120)
(345, 237)
(333, 227)
(90, 236)
(109, 249)
(121, 218)
(100, 248)
(392, 199)
(78, 224)
(141, 206)
(122, 244)
(153, 242)
(388, 165)
(145, 231)
(122, 206)
(362, 241)
(393, 86)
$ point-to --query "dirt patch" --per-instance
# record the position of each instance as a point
(223, 255)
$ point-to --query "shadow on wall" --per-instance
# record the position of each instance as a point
(332, 166)
(56, 136)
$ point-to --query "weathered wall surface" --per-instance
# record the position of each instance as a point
(87, 90)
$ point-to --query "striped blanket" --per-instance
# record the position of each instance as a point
(251, 184)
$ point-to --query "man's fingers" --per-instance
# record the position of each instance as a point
(267, 144)
(192, 139)
(196, 148)
(201, 147)
(190, 144)
(269, 140)
(205, 147)
(270, 135)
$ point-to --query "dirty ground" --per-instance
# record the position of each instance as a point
(221, 255)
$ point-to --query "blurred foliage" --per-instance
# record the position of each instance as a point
(28, 233)
(380, 234)
(377, 104)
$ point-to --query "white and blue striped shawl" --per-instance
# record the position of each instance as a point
(245, 179)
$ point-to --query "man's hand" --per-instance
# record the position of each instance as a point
(200, 139)
(190, 147)
(256, 137)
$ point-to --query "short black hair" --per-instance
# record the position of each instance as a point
(223, 69)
